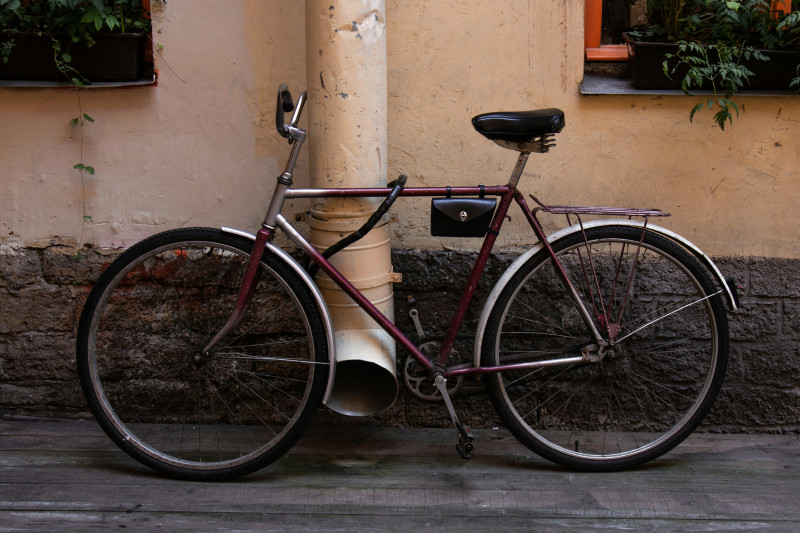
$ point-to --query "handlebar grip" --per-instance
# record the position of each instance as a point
(285, 98)
(284, 104)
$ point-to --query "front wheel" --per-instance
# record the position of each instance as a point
(667, 333)
(189, 414)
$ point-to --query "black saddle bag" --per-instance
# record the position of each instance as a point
(461, 217)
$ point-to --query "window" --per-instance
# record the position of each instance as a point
(105, 43)
(605, 20)
(606, 67)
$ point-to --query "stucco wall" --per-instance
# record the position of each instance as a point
(199, 149)
(191, 151)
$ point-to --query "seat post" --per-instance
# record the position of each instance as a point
(517, 172)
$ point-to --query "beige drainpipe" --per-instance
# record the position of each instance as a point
(346, 77)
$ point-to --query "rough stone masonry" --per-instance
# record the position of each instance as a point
(42, 291)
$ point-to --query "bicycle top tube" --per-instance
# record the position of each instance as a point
(493, 190)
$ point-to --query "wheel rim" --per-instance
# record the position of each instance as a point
(162, 396)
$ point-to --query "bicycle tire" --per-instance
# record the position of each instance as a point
(191, 416)
(655, 385)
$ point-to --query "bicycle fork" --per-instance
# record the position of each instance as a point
(246, 290)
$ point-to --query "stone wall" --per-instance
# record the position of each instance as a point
(42, 292)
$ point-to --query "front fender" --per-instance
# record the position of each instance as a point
(517, 264)
(315, 292)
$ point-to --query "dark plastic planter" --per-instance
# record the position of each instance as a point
(646, 61)
(114, 57)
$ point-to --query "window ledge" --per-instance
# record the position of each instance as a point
(32, 84)
(594, 84)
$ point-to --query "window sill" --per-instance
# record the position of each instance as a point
(594, 85)
(32, 84)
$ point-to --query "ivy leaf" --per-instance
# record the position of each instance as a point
(67, 58)
(87, 117)
(88, 218)
(74, 121)
(86, 168)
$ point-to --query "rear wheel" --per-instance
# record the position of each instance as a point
(665, 323)
(188, 414)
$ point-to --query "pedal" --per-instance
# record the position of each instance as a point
(465, 446)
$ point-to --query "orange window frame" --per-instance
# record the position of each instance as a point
(592, 30)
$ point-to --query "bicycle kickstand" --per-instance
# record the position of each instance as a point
(465, 444)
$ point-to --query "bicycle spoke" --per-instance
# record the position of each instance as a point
(698, 301)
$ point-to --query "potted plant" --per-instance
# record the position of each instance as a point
(75, 40)
(719, 45)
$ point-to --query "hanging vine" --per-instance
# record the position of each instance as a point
(84, 169)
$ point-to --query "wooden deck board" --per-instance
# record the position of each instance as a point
(69, 475)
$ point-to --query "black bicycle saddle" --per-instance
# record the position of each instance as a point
(519, 126)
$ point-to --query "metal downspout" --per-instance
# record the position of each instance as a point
(346, 81)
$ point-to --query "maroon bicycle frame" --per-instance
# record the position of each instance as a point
(274, 220)
(506, 193)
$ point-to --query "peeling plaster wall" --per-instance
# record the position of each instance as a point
(200, 148)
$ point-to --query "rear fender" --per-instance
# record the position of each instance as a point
(728, 289)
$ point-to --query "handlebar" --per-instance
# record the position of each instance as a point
(285, 104)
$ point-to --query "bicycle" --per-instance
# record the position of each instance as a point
(203, 353)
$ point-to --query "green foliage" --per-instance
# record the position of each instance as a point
(87, 118)
(717, 67)
(715, 38)
(743, 22)
(80, 20)
(85, 168)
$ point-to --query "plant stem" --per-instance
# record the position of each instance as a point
(83, 172)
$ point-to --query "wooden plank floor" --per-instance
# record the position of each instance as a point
(68, 476)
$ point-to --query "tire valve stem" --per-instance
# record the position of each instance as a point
(576, 446)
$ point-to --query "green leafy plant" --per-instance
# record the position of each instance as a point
(84, 169)
(717, 40)
(68, 22)
(718, 66)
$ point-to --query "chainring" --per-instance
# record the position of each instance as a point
(419, 383)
